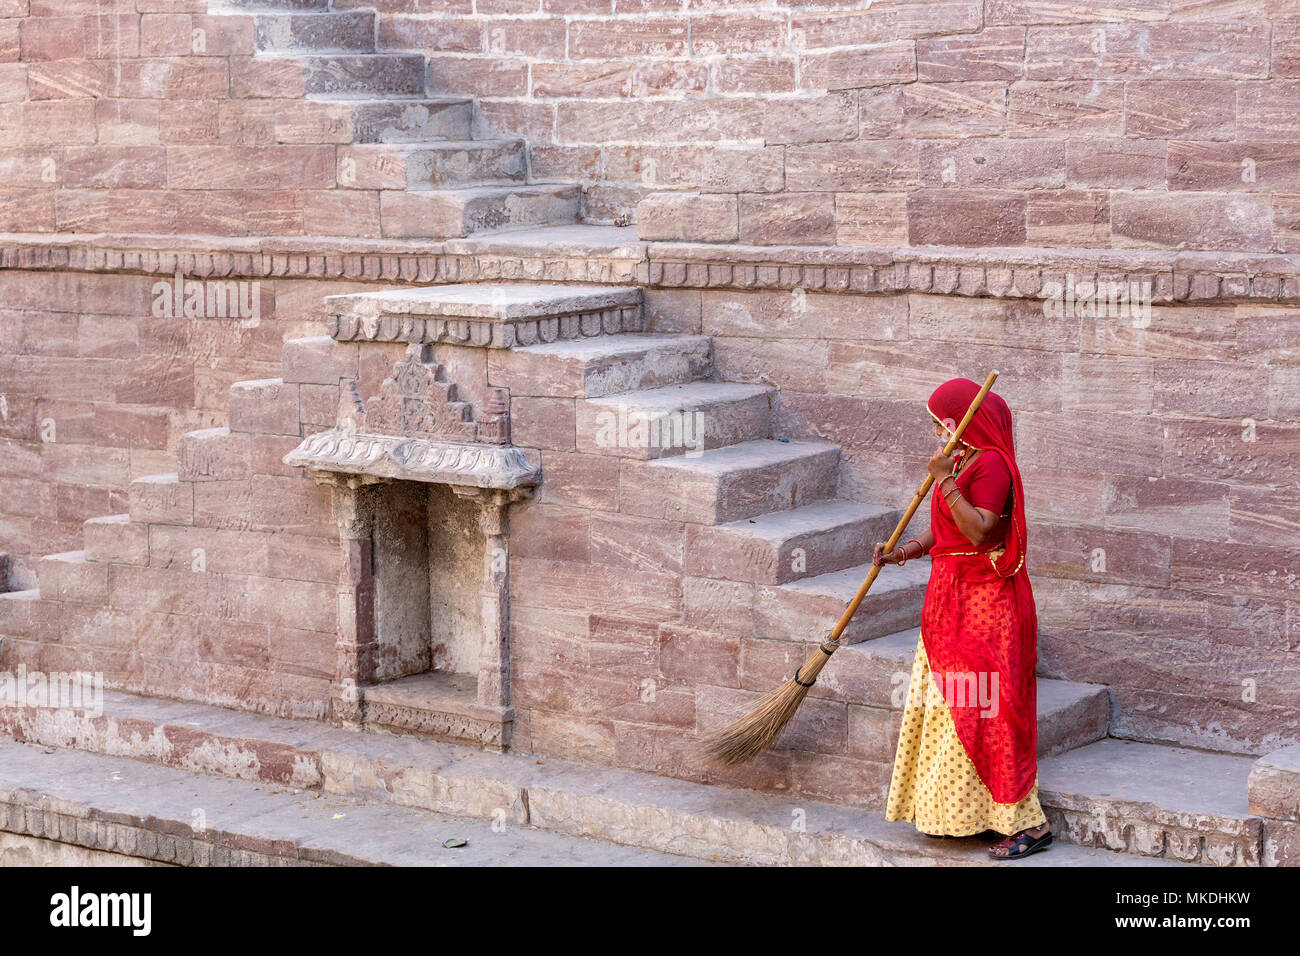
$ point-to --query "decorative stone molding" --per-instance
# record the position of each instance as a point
(491, 732)
(416, 429)
(417, 459)
(418, 401)
(496, 316)
(445, 706)
(603, 255)
(1000, 273)
(347, 327)
(547, 258)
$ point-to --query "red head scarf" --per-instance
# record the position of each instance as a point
(990, 429)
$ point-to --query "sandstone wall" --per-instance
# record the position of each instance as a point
(1160, 123)
(98, 389)
(900, 122)
(229, 595)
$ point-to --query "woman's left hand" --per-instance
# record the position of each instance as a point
(941, 465)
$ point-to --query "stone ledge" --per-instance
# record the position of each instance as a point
(1154, 800)
(389, 773)
(113, 805)
(1274, 785)
(477, 465)
(604, 254)
(994, 272)
(437, 705)
(492, 315)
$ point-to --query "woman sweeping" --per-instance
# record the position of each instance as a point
(967, 761)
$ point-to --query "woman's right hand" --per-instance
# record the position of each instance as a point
(878, 556)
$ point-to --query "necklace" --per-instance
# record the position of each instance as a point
(963, 460)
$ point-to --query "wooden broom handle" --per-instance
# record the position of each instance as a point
(911, 510)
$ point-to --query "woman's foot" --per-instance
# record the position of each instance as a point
(1022, 844)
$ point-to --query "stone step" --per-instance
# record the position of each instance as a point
(786, 546)
(362, 75)
(341, 31)
(16, 624)
(812, 606)
(685, 419)
(601, 365)
(266, 406)
(501, 315)
(637, 810)
(1154, 800)
(164, 499)
(449, 164)
(456, 213)
(443, 706)
(731, 483)
(246, 6)
(70, 577)
(875, 673)
(115, 539)
(1274, 792)
(216, 454)
(419, 120)
(115, 810)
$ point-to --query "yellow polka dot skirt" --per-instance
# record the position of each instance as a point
(935, 784)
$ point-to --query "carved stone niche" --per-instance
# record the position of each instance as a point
(422, 489)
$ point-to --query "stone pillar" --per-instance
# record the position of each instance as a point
(494, 601)
(356, 640)
(494, 593)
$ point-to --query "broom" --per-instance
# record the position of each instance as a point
(752, 734)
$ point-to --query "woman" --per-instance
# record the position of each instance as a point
(967, 753)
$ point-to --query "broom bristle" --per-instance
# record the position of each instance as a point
(746, 738)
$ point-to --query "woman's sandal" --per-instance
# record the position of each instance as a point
(1021, 845)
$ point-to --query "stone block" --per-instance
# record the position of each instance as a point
(117, 539)
(265, 406)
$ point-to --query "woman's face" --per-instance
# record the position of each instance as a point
(945, 429)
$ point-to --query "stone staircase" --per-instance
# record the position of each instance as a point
(771, 557)
(413, 146)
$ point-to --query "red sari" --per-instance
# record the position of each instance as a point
(979, 624)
